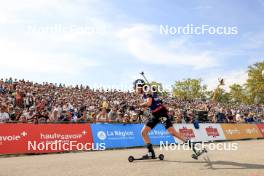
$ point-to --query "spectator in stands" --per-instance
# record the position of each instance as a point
(262, 119)
(171, 115)
(18, 113)
(23, 119)
(126, 118)
(249, 118)
(2, 89)
(4, 116)
(81, 114)
(102, 115)
(49, 102)
(221, 117)
(239, 118)
(229, 116)
(113, 114)
(19, 98)
(29, 114)
(54, 115)
(134, 117)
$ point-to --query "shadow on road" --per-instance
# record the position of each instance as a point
(216, 165)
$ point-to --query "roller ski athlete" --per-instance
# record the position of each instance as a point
(159, 112)
(159, 115)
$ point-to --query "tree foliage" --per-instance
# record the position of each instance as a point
(237, 93)
(251, 92)
(189, 89)
(255, 83)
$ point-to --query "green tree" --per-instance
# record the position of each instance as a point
(222, 96)
(255, 83)
(189, 89)
(237, 93)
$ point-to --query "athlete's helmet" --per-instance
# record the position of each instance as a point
(139, 83)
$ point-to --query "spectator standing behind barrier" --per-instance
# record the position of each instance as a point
(220, 116)
(103, 116)
(238, 118)
(249, 118)
(54, 116)
(82, 114)
(29, 114)
(171, 115)
(113, 114)
(4, 116)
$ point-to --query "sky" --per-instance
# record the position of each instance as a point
(108, 42)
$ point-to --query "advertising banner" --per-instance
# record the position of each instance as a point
(261, 129)
(189, 131)
(127, 135)
(44, 138)
(211, 132)
(206, 132)
(241, 131)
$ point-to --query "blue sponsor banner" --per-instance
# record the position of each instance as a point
(158, 134)
(127, 135)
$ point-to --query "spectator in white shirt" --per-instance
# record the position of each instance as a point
(4, 116)
(29, 114)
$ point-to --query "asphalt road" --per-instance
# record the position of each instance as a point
(248, 160)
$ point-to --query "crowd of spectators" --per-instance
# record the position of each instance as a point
(29, 102)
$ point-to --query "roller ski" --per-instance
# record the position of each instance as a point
(146, 157)
(150, 155)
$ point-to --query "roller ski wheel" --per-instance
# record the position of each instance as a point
(161, 157)
(131, 159)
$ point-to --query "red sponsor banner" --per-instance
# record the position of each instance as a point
(44, 138)
(211, 131)
(187, 132)
(261, 129)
